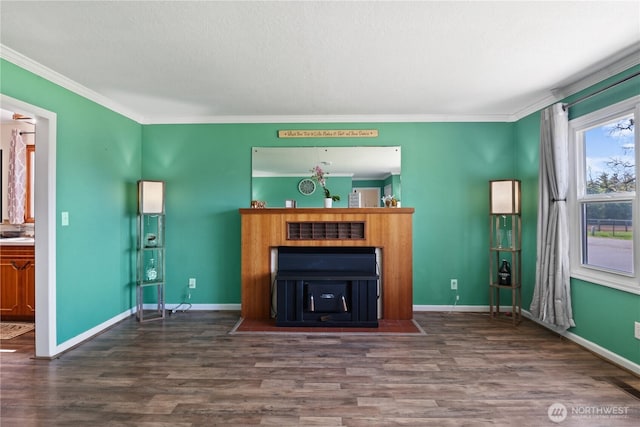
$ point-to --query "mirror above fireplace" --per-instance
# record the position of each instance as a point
(365, 166)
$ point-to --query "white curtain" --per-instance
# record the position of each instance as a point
(17, 174)
(551, 304)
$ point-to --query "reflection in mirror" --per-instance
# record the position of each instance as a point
(359, 175)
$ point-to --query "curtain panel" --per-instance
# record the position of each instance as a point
(17, 173)
(551, 304)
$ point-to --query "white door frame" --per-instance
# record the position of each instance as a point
(45, 225)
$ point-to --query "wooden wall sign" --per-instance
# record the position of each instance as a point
(329, 133)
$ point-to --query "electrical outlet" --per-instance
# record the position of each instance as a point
(637, 330)
(192, 283)
(454, 284)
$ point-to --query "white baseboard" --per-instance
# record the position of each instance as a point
(591, 346)
(604, 353)
(87, 335)
(201, 307)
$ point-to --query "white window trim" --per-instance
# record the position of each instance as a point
(617, 280)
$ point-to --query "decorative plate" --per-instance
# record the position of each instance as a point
(307, 186)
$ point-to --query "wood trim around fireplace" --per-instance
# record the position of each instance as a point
(390, 229)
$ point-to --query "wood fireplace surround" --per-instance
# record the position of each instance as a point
(389, 229)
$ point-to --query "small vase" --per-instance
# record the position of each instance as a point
(328, 202)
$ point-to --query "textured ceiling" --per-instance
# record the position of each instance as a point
(196, 61)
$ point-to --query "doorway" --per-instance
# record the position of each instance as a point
(369, 196)
(45, 211)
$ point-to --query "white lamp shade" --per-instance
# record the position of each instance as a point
(504, 197)
(151, 197)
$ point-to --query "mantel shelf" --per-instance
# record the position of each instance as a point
(269, 211)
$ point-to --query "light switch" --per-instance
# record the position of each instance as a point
(65, 219)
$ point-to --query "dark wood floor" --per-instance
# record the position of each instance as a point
(188, 371)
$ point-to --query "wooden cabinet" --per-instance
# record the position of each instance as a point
(17, 283)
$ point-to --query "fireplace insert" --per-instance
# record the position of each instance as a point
(327, 286)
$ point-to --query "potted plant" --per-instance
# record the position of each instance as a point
(319, 176)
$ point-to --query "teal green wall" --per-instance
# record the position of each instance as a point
(275, 190)
(208, 174)
(396, 182)
(98, 162)
(446, 168)
(603, 315)
(445, 172)
(527, 163)
(606, 317)
(207, 178)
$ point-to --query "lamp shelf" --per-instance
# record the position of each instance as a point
(505, 246)
(499, 286)
(154, 283)
(150, 257)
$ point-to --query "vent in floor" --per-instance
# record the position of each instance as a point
(628, 388)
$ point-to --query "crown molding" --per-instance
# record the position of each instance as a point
(372, 118)
(533, 108)
(53, 76)
(616, 64)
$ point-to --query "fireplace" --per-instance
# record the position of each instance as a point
(387, 230)
(327, 286)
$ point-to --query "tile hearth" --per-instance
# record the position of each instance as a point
(385, 327)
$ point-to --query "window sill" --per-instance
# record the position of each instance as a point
(618, 282)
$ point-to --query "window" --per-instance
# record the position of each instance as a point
(605, 239)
